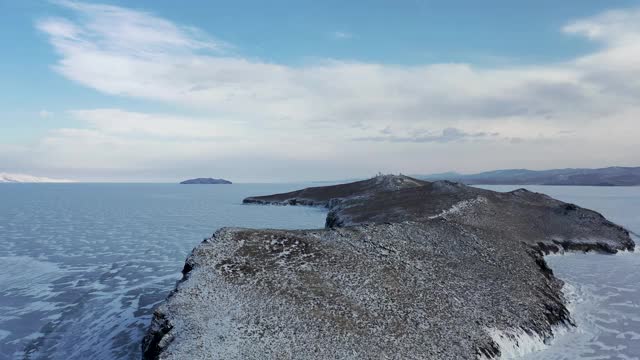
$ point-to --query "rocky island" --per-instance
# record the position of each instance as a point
(404, 268)
(206, 181)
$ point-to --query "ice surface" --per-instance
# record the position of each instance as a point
(603, 290)
(84, 265)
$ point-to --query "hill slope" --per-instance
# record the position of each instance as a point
(610, 176)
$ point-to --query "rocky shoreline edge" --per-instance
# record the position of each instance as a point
(403, 269)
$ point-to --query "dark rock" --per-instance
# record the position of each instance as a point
(156, 339)
(524, 215)
(330, 196)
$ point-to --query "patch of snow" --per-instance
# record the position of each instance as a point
(515, 344)
(460, 207)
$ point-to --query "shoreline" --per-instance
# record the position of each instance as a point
(582, 303)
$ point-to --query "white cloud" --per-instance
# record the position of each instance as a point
(125, 123)
(342, 35)
(44, 114)
(330, 103)
(426, 136)
(120, 30)
(334, 91)
(611, 27)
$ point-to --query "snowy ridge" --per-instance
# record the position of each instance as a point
(23, 178)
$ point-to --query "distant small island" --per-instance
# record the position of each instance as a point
(206, 181)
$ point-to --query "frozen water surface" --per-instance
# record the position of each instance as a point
(83, 265)
(604, 290)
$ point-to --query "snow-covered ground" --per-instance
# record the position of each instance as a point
(23, 178)
(83, 265)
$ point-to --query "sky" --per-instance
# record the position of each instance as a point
(256, 91)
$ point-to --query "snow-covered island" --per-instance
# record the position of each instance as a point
(23, 178)
(404, 268)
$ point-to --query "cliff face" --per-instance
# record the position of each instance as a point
(413, 270)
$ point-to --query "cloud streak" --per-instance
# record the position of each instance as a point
(154, 59)
(447, 135)
(135, 124)
(342, 35)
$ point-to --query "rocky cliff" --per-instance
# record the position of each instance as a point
(404, 269)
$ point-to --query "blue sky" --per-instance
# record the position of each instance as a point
(301, 90)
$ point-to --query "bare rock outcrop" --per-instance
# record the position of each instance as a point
(329, 196)
(405, 269)
(525, 216)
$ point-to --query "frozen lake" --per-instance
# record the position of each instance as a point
(85, 264)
